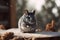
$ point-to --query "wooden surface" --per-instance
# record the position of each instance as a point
(13, 21)
(17, 32)
(34, 36)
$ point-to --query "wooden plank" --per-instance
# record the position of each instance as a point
(13, 13)
(33, 36)
(17, 32)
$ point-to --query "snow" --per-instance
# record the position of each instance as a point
(40, 34)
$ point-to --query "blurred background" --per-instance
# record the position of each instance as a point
(46, 10)
(8, 13)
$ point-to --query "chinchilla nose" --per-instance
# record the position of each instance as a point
(31, 19)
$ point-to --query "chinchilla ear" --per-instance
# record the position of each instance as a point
(34, 12)
(25, 11)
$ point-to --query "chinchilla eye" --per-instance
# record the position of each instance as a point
(28, 17)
